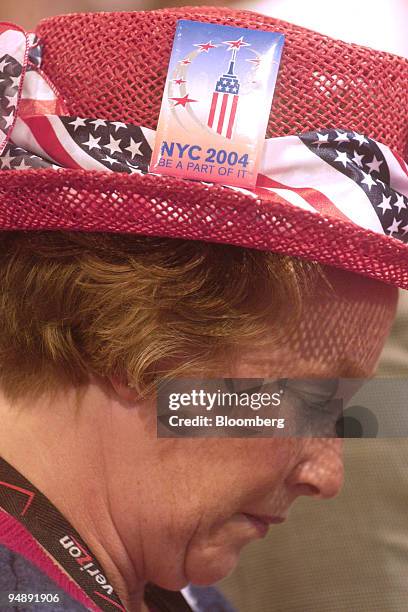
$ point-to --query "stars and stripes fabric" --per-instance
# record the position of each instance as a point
(13, 51)
(34, 114)
(333, 173)
(342, 174)
(40, 141)
(24, 89)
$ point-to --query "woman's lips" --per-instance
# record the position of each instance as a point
(262, 522)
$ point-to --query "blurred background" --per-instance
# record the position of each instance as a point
(352, 556)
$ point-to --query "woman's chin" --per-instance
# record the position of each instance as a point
(214, 558)
(211, 566)
(214, 572)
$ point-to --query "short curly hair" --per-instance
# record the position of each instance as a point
(135, 307)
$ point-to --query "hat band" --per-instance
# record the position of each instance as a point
(24, 88)
(338, 173)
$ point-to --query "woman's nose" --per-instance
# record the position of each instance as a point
(320, 473)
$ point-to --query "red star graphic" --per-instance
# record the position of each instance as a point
(179, 81)
(236, 44)
(206, 46)
(185, 62)
(183, 101)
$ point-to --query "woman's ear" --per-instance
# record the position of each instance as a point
(123, 390)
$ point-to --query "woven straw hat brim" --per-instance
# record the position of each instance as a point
(79, 200)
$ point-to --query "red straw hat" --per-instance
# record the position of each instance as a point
(333, 185)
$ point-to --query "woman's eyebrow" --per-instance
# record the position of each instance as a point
(345, 368)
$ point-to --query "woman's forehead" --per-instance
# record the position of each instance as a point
(341, 332)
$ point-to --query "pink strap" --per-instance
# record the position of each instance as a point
(16, 538)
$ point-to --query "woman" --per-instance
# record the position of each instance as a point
(91, 322)
(167, 511)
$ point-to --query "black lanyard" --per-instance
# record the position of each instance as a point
(20, 499)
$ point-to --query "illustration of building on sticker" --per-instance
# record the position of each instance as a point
(224, 103)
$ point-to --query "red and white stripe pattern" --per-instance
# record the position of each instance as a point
(14, 46)
(222, 113)
(24, 89)
(224, 104)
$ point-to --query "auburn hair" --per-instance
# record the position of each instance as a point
(135, 307)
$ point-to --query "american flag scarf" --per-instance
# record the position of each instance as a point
(335, 172)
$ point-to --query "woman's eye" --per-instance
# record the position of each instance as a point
(316, 395)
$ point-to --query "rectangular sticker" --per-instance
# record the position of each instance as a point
(216, 103)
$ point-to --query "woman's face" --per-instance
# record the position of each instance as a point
(203, 499)
(236, 489)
